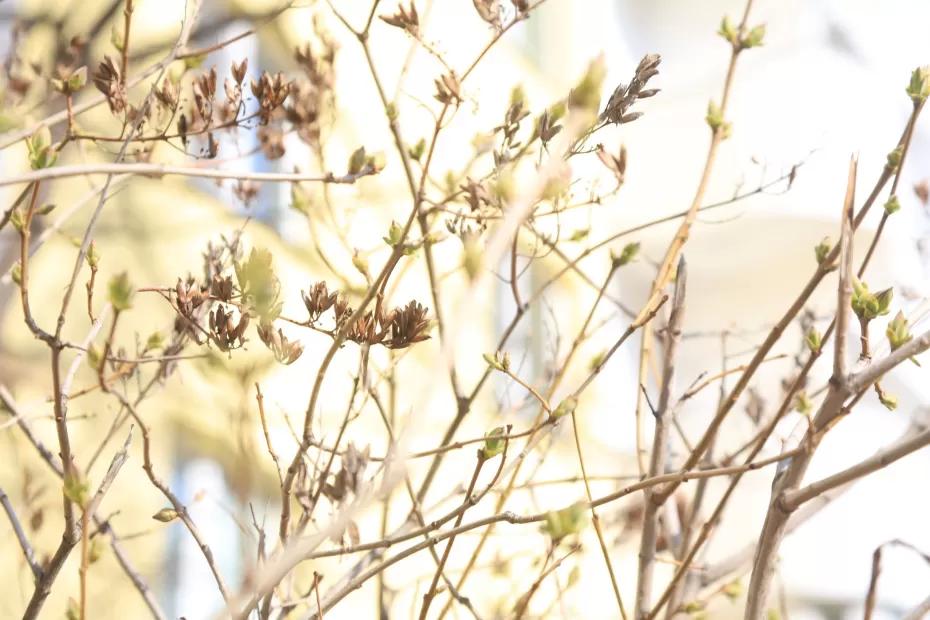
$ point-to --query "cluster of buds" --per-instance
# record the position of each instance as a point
(225, 331)
(918, 89)
(111, 83)
(867, 305)
(899, 333)
(500, 360)
(739, 38)
(284, 350)
(406, 19)
(624, 96)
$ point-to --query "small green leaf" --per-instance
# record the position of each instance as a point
(626, 256)
(357, 160)
(76, 489)
(813, 340)
(755, 37)
(822, 250)
(565, 522)
(155, 341)
(120, 292)
(728, 31)
(494, 442)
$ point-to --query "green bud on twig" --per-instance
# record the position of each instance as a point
(754, 37)
(892, 205)
(120, 292)
(626, 256)
(565, 522)
(494, 442)
(822, 250)
(498, 361)
(728, 31)
(919, 87)
(565, 407)
(166, 515)
(813, 340)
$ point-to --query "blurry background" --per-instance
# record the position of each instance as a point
(828, 82)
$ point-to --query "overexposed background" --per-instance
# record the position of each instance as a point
(829, 82)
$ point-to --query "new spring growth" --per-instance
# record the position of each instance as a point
(892, 205)
(93, 256)
(889, 400)
(565, 522)
(715, 120)
(813, 340)
(741, 40)
(499, 361)
(565, 408)
(626, 256)
(893, 160)
(494, 442)
(69, 83)
(77, 489)
(899, 334)
(822, 250)
(120, 292)
(868, 305)
(41, 153)
(166, 515)
(919, 87)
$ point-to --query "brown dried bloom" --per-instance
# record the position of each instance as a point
(225, 331)
(108, 81)
(284, 350)
(190, 296)
(318, 300)
(408, 326)
(271, 91)
(615, 163)
(405, 19)
(448, 89)
(624, 96)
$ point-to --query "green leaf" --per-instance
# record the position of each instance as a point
(755, 37)
(627, 254)
(565, 522)
(357, 160)
(494, 442)
(120, 292)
